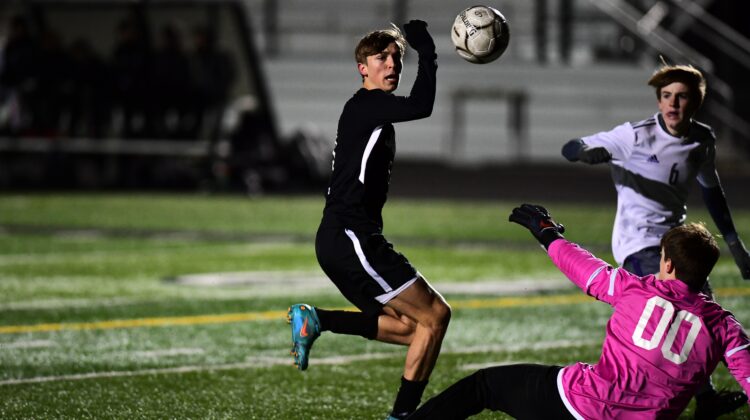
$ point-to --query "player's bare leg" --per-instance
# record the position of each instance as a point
(430, 315)
(418, 317)
(395, 328)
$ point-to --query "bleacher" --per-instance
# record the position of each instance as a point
(520, 108)
(563, 103)
(313, 74)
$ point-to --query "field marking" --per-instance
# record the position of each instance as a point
(56, 303)
(150, 354)
(28, 344)
(223, 286)
(144, 322)
(268, 361)
(500, 302)
(114, 374)
(130, 253)
(504, 287)
(271, 315)
(243, 278)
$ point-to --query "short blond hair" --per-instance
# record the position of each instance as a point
(687, 74)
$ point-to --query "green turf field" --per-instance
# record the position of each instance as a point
(113, 306)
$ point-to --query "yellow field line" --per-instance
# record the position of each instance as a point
(501, 302)
(144, 322)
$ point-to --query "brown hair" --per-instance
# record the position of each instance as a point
(693, 251)
(376, 41)
(686, 74)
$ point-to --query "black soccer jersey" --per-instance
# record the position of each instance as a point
(365, 150)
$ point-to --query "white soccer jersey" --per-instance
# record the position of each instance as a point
(652, 171)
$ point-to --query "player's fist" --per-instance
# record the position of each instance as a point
(417, 36)
(539, 222)
(575, 150)
(594, 155)
(740, 254)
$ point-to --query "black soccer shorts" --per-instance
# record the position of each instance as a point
(364, 267)
(524, 391)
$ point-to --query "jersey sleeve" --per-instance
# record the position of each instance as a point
(737, 355)
(388, 108)
(705, 154)
(707, 176)
(618, 141)
(592, 275)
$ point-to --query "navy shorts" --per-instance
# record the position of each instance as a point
(646, 261)
(364, 267)
(643, 262)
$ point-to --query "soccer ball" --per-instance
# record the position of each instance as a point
(480, 34)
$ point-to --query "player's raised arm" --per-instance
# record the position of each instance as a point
(384, 106)
(416, 34)
(593, 275)
(423, 91)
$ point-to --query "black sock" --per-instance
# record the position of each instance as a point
(348, 322)
(408, 398)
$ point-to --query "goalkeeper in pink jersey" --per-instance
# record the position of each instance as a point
(662, 341)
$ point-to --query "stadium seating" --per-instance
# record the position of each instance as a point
(314, 59)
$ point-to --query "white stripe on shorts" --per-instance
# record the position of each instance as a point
(368, 149)
(365, 264)
(386, 297)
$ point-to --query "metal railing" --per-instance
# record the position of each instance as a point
(648, 28)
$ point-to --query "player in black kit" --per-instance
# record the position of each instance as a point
(397, 304)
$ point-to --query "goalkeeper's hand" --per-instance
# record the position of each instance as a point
(740, 254)
(417, 36)
(537, 220)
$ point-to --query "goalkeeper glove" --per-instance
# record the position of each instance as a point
(740, 254)
(539, 222)
(417, 36)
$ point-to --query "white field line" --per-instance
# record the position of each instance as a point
(265, 362)
(270, 279)
(316, 278)
(67, 303)
(145, 372)
(30, 344)
(263, 283)
(150, 354)
(98, 256)
(503, 287)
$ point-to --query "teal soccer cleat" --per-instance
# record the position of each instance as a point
(305, 330)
